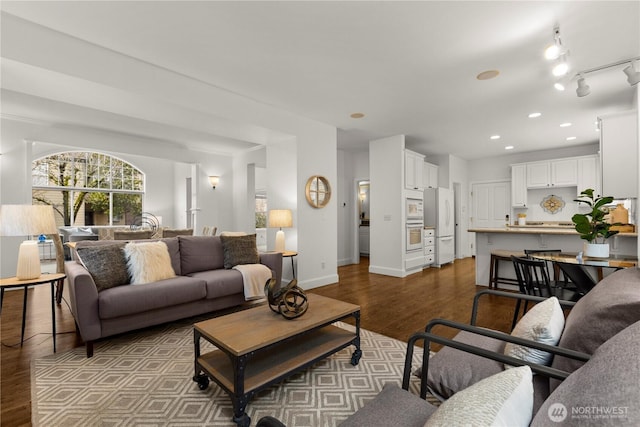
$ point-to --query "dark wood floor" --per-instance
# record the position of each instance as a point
(390, 306)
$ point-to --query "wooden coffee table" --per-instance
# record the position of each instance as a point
(257, 347)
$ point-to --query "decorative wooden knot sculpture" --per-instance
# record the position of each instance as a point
(290, 301)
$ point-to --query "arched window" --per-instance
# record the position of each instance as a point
(87, 188)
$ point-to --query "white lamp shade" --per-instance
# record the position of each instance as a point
(28, 261)
(279, 218)
(27, 220)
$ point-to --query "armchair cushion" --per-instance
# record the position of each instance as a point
(607, 309)
(543, 324)
(504, 399)
(451, 370)
(392, 406)
(607, 383)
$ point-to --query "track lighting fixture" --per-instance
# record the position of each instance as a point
(583, 88)
(633, 75)
(554, 50)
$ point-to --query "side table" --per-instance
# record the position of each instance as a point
(13, 282)
(291, 254)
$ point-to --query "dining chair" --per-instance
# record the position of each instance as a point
(533, 279)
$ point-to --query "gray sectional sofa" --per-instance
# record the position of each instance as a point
(202, 284)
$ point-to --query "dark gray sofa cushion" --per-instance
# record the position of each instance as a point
(393, 406)
(221, 282)
(106, 264)
(608, 382)
(612, 305)
(200, 253)
(451, 370)
(125, 300)
(239, 250)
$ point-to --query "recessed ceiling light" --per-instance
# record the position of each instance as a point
(559, 86)
(495, 136)
(487, 75)
(565, 125)
(534, 115)
(509, 147)
(357, 115)
(571, 138)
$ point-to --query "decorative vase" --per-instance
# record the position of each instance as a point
(596, 250)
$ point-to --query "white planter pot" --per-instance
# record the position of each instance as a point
(596, 250)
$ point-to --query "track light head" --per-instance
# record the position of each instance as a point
(583, 88)
(633, 76)
(553, 51)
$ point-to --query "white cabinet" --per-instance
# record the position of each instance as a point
(588, 174)
(554, 173)
(564, 172)
(537, 175)
(429, 246)
(364, 240)
(430, 175)
(519, 186)
(413, 175)
(619, 151)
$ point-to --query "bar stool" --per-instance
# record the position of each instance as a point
(494, 274)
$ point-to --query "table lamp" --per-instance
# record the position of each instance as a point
(279, 218)
(27, 220)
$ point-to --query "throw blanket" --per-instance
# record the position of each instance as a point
(254, 277)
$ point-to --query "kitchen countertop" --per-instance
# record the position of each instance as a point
(536, 230)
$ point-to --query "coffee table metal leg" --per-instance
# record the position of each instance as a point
(357, 354)
(240, 399)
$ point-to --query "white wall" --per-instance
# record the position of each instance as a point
(386, 174)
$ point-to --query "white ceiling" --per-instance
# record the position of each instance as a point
(410, 67)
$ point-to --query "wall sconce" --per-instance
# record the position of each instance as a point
(279, 218)
(214, 180)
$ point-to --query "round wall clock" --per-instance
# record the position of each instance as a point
(318, 191)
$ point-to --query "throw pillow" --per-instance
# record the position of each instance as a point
(504, 399)
(148, 262)
(106, 264)
(543, 324)
(239, 250)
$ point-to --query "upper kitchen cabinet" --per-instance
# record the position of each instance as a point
(554, 173)
(588, 174)
(413, 174)
(430, 175)
(619, 154)
(519, 186)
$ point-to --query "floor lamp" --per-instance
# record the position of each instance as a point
(279, 218)
(30, 220)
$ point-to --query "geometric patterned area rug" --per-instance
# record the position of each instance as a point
(145, 378)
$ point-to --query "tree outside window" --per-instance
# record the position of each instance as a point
(87, 188)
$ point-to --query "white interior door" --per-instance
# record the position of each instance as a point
(491, 202)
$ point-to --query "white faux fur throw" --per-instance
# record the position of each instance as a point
(148, 262)
(254, 277)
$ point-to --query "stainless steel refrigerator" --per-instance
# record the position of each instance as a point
(439, 212)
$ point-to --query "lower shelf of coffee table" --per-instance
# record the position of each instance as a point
(265, 366)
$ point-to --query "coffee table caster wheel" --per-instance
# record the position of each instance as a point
(202, 380)
(355, 357)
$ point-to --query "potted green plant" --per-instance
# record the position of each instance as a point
(592, 225)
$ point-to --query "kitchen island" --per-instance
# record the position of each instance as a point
(519, 238)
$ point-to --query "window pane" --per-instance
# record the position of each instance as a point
(126, 207)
